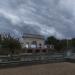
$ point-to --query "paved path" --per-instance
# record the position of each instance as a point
(42, 69)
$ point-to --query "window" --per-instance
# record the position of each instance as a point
(34, 44)
(37, 51)
(27, 45)
(29, 51)
(40, 45)
(44, 51)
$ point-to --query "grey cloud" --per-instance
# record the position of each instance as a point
(47, 17)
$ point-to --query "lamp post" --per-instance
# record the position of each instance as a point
(68, 42)
(68, 46)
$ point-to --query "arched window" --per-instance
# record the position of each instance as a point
(34, 44)
(40, 45)
(27, 45)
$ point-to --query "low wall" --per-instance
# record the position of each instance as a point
(30, 59)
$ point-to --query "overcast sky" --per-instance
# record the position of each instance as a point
(46, 17)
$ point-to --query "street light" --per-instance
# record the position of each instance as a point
(68, 42)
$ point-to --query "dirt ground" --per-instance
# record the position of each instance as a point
(42, 69)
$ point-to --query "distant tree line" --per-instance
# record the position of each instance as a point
(9, 44)
(60, 44)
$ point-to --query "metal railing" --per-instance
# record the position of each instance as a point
(31, 58)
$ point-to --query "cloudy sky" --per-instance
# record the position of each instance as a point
(46, 17)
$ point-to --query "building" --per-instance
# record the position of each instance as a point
(49, 46)
(32, 41)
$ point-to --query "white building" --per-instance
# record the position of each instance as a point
(32, 41)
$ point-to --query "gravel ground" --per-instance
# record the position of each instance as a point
(42, 69)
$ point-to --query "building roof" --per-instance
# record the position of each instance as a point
(25, 35)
